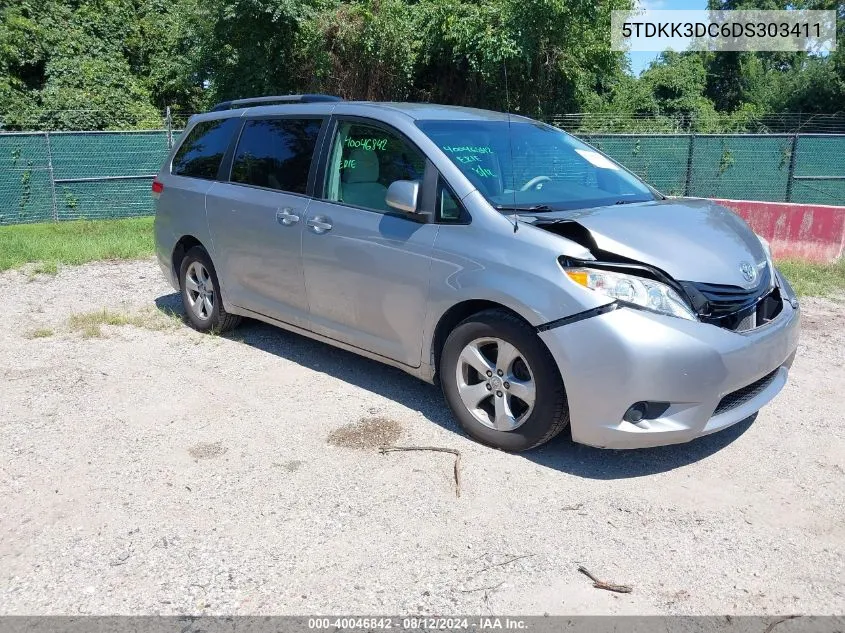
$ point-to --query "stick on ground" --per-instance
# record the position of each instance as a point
(600, 584)
(507, 562)
(490, 588)
(779, 621)
(437, 449)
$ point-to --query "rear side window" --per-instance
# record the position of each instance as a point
(276, 153)
(200, 155)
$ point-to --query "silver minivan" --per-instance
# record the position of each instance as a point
(540, 283)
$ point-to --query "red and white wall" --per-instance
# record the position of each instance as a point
(812, 232)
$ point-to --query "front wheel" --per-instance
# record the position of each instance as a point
(502, 383)
(201, 293)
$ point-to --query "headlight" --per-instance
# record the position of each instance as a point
(768, 250)
(636, 291)
(766, 246)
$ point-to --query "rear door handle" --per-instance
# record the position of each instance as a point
(320, 224)
(286, 216)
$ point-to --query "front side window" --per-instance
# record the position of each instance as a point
(449, 209)
(200, 155)
(276, 153)
(530, 164)
(364, 161)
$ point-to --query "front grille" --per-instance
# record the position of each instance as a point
(741, 396)
(723, 301)
(735, 308)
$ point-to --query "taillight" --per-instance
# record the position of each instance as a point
(158, 187)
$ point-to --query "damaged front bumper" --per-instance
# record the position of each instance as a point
(711, 377)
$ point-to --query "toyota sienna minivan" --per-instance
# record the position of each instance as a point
(537, 281)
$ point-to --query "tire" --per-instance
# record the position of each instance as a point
(196, 266)
(527, 362)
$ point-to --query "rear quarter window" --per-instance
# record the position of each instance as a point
(201, 153)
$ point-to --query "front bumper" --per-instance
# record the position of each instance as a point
(611, 361)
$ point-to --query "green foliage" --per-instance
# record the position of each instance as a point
(363, 50)
(99, 64)
(672, 86)
(531, 56)
(119, 101)
(114, 64)
(69, 66)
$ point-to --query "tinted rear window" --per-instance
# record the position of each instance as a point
(200, 155)
(276, 153)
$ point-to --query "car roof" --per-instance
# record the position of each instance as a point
(425, 111)
(414, 111)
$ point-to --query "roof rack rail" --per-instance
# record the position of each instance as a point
(245, 103)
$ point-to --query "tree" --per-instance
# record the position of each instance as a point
(118, 63)
(67, 66)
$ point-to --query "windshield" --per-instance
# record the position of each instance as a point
(541, 168)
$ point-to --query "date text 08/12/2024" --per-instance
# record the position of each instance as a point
(417, 623)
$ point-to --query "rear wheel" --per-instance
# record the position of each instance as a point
(502, 383)
(201, 293)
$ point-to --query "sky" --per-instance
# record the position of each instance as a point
(641, 60)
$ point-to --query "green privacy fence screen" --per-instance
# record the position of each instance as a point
(53, 176)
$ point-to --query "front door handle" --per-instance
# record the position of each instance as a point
(320, 224)
(286, 216)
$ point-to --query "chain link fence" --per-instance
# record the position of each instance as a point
(805, 168)
(55, 176)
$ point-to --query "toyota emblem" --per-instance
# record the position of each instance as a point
(749, 272)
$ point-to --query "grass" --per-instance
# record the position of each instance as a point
(48, 245)
(815, 280)
(44, 268)
(42, 332)
(89, 324)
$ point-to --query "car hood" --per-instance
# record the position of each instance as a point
(691, 240)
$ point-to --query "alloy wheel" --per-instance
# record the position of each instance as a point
(200, 290)
(495, 383)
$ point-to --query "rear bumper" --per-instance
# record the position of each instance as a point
(611, 361)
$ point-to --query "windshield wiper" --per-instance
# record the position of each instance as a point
(536, 207)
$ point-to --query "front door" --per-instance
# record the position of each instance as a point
(366, 265)
(256, 219)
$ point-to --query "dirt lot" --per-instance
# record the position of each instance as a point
(146, 468)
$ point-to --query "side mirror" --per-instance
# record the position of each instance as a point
(402, 195)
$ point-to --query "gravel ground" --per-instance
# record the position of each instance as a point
(146, 468)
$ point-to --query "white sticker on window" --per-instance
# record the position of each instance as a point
(596, 159)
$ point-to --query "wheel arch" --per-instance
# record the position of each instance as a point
(182, 246)
(454, 315)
